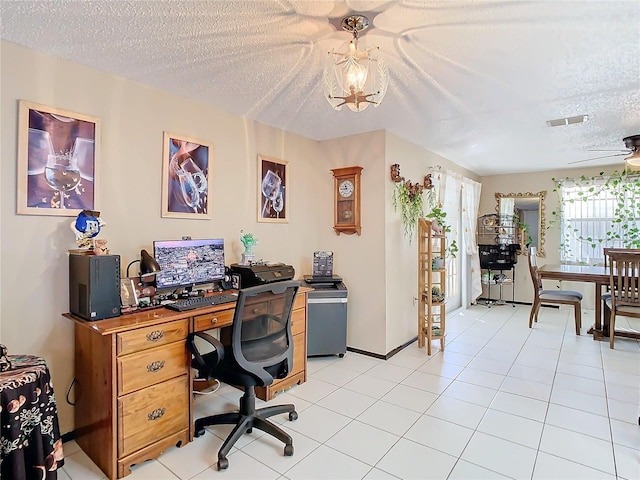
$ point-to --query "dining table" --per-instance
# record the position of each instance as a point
(599, 276)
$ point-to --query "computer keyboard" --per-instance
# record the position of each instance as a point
(192, 303)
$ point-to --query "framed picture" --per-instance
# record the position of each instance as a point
(58, 153)
(186, 177)
(273, 201)
(128, 296)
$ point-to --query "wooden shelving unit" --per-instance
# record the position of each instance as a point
(431, 280)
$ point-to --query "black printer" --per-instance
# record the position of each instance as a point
(261, 273)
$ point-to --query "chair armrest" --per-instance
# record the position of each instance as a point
(204, 363)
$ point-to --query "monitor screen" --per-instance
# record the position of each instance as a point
(189, 262)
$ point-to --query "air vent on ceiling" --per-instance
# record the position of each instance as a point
(567, 121)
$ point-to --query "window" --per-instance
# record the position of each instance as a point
(596, 213)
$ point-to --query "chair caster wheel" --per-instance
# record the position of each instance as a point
(288, 450)
(249, 430)
(293, 416)
(199, 432)
(223, 463)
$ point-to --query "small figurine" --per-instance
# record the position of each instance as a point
(86, 226)
(249, 241)
(100, 247)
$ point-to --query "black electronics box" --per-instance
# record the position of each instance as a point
(259, 274)
(94, 286)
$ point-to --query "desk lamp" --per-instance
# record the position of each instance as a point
(148, 266)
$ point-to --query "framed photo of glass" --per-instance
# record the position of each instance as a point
(58, 152)
(273, 198)
(186, 177)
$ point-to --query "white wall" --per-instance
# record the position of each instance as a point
(358, 258)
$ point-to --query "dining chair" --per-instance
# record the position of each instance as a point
(624, 271)
(563, 297)
(605, 296)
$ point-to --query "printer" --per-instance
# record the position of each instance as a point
(261, 273)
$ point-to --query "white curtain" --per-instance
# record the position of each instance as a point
(507, 211)
(470, 206)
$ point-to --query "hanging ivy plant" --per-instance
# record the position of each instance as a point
(410, 201)
(624, 229)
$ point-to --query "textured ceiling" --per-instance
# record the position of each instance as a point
(474, 81)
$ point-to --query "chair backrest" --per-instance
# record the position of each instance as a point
(624, 272)
(533, 270)
(261, 342)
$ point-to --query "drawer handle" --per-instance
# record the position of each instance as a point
(156, 414)
(155, 335)
(155, 366)
(255, 310)
(214, 320)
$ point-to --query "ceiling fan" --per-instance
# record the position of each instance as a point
(633, 150)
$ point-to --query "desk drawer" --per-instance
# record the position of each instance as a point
(149, 415)
(150, 337)
(300, 301)
(297, 322)
(299, 353)
(213, 320)
(150, 366)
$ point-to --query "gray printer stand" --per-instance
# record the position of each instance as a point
(327, 319)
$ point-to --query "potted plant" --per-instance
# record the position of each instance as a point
(436, 295)
(438, 214)
(437, 263)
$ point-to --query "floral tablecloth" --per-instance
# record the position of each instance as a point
(30, 444)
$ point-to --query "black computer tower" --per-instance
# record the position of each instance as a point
(94, 286)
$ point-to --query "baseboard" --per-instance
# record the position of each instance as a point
(383, 357)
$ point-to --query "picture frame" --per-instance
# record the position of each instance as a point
(186, 177)
(273, 190)
(128, 295)
(58, 157)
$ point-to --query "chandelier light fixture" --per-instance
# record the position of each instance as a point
(352, 77)
(633, 159)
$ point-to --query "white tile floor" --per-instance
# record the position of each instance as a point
(502, 401)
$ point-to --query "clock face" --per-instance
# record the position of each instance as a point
(346, 188)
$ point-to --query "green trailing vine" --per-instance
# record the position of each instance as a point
(624, 229)
(411, 205)
(409, 198)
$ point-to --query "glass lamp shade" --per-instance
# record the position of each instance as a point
(355, 78)
(634, 159)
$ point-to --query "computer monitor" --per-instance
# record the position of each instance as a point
(186, 263)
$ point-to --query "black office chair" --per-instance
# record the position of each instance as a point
(254, 351)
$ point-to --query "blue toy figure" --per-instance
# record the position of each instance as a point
(86, 226)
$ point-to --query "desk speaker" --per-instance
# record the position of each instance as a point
(94, 286)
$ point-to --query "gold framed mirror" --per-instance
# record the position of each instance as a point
(528, 213)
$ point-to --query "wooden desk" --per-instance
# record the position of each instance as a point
(598, 275)
(134, 382)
